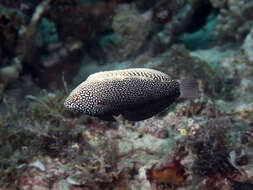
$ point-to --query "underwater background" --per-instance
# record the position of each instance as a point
(48, 47)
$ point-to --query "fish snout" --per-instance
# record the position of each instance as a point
(68, 104)
(71, 103)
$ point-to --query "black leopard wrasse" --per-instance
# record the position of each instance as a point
(136, 94)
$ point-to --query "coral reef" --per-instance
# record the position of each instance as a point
(211, 148)
(179, 63)
(235, 19)
(94, 18)
(172, 173)
(11, 21)
(47, 31)
(170, 151)
(138, 145)
(27, 134)
(56, 67)
(184, 19)
(199, 144)
(218, 4)
(22, 34)
(131, 31)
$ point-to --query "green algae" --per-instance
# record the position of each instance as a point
(46, 107)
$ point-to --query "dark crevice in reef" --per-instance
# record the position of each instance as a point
(199, 17)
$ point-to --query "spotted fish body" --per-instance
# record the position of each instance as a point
(137, 94)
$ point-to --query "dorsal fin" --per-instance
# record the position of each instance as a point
(138, 72)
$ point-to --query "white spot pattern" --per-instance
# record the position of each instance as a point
(113, 91)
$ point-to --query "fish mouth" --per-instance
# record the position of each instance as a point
(67, 104)
(70, 106)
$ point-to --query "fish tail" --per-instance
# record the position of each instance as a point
(188, 88)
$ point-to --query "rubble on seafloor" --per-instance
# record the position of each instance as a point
(204, 143)
(91, 154)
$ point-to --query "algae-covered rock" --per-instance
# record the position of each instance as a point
(179, 63)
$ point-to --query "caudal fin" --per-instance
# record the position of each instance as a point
(188, 88)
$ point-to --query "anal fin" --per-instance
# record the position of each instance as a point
(146, 111)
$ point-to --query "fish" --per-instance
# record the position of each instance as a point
(136, 94)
